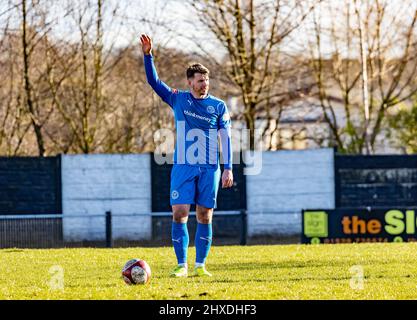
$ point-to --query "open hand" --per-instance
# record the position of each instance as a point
(146, 42)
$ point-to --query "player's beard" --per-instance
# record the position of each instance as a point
(202, 92)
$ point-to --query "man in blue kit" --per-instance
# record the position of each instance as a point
(199, 119)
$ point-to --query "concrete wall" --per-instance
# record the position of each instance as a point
(94, 184)
(289, 182)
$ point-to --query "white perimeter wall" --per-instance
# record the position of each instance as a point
(289, 182)
(94, 184)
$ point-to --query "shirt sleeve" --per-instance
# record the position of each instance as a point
(224, 120)
(162, 89)
(224, 127)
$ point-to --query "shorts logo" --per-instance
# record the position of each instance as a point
(210, 109)
(175, 194)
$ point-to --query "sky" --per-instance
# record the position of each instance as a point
(176, 24)
(172, 17)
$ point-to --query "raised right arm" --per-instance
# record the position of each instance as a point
(161, 88)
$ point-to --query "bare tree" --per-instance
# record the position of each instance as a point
(24, 118)
(251, 34)
(368, 49)
(97, 88)
(34, 30)
(13, 126)
(76, 82)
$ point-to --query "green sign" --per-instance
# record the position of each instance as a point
(315, 224)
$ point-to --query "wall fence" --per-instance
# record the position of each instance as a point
(62, 201)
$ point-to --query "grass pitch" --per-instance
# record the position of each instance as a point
(240, 272)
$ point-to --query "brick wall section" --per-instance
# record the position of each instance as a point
(289, 182)
(376, 181)
(94, 184)
(30, 185)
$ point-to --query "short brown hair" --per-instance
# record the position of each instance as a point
(196, 68)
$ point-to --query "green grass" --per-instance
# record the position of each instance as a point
(247, 272)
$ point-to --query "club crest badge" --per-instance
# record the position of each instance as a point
(175, 194)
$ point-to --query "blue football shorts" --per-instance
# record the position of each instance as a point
(194, 185)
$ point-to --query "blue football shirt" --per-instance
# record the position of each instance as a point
(198, 123)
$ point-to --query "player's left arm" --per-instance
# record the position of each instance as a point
(224, 129)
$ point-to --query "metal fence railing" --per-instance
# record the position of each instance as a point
(47, 231)
(31, 231)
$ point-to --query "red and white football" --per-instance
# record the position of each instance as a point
(136, 271)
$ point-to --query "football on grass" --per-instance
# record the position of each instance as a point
(136, 271)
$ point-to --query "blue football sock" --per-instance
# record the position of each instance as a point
(203, 239)
(180, 240)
